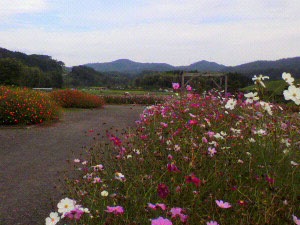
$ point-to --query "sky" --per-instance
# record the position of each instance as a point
(178, 32)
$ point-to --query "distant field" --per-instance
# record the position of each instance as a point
(122, 92)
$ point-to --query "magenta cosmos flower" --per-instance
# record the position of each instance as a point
(161, 221)
(188, 87)
(212, 223)
(223, 205)
(75, 213)
(175, 86)
(115, 210)
(162, 190)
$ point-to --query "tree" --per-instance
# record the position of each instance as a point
(10, 71)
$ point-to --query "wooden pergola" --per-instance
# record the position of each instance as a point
(205, 74)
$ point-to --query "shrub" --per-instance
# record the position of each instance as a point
(133, 99)
(72, 98)
(195, 160)
(25, 106)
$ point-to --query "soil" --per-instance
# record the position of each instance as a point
(33, 160)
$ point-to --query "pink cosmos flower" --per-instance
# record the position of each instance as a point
(175, 86)
(161, 205)
(189, 95)
(212, 151)
(296, 220)
(204, 140)
(96, 180)
(192, 121)
(223, 205)
(178, 212)
(76, 160)
(90, 131)
(161, 221)
(188, 87)
(163, 124)
(212, 223)
(115, 210)
(97, 167)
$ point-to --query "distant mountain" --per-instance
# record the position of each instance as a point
(272, 68)
(204, 66)
(126, 65)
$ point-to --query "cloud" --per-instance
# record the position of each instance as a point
(176, 43)
(173, 31)
(10, 8)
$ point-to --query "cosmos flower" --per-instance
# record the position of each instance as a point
(52, 219)
(296, 220)
(212, 151)
(161, 205)
(223, 205)
(104, 193)
(287, 77)
(115, 210)
(231, 103)
(212, 223)
(188, 87)
(66, 205)
(251, 97)
(293, 94)
(178, 212)
(175, 86)
(161, 221)
(162, 190)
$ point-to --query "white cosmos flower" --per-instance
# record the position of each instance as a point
(218, 136)
(288, 78)
(66, 205)
(251, 97)
(294, 163)
(52, 219)
(252, 140)
(119, 176)
(259, 79)
(104, 193)
(267, 107)
(231, 103)
(293, 93)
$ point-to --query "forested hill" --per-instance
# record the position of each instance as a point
(17, 68)
(44, 62)
(274, 69)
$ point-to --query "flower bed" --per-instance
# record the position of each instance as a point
(194, 160)
(133, 99)
(25, 106)
(72, 98)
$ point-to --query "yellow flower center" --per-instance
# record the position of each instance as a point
(66, 206)
(294, 95)
(52, 219)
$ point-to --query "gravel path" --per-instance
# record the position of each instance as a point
(33, 160)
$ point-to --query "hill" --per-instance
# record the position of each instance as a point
(17, 68)
(274, 69)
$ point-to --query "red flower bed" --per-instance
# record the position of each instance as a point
(71, 98)
(25, 106)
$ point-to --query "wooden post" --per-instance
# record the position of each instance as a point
(182, 84)
(226, 83)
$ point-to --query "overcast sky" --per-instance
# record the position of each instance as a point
(178, 32)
